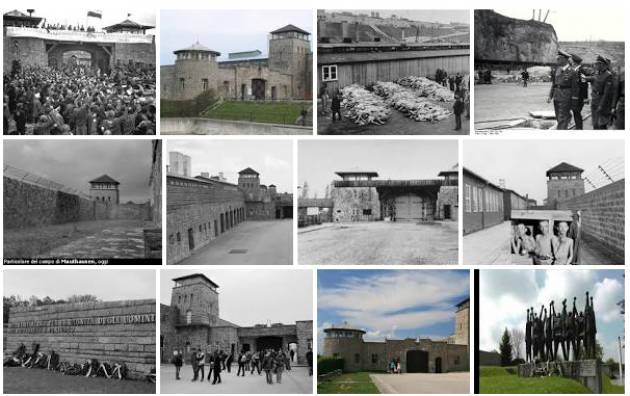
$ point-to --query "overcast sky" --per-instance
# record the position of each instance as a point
(106, 284)
(78, 15)
(523, 163)
(271, 158)
(255, 296)
(505, 295)
(74, 163)
(392, 159)
(393, 304)
(225, 30)
(578, 23)
(440, 16)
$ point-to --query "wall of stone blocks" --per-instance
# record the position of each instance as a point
(137, 52)
(349, 203)
(603, 217)
(448, 195)
(29, 51)
(79, 332)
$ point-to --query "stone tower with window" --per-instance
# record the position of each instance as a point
(197, 300)
(564, 182)
(196, 71)
(249, 182)
(289, 49)
(105, 189)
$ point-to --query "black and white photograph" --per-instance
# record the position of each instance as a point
(542, 205)
(549, 69)
(393, 72)
(82, 202)
(229, 202)
(377, 202)
(226, 332)
(79, 71)
(79, 331)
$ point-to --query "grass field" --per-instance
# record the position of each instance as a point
(21, 380)
(349, 383)
(265, 112)
(505, 380)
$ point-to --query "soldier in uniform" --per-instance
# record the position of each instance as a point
(562, 82)
(601, 93)
(619, 97)
(579, 94)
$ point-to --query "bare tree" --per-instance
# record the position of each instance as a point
(517, 337)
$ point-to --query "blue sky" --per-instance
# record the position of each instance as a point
(225, 30)
(505, 295)
(393, 304)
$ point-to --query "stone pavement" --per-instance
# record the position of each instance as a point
(422, 383)
(111, 242)
(294, 382)
(258, 243)
(492, 246)
(379, 243)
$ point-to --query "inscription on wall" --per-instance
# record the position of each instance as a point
(65, 325)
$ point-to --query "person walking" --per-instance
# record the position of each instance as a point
(178, 363)
(279, 365)
(193, 364)
(242, 359)
(309, 361)
(268, 365)
(201, 363)
(458, 109)
(335, 106)
(216, 369)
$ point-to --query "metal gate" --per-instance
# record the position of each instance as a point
(258, 88)
(409, 207)
(417, 361)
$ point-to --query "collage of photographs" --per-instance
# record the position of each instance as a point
(314, 200)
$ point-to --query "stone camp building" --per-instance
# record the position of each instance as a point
(416, 355)
(285, 74)
(359, 196)
(202, 208)
(193, 321)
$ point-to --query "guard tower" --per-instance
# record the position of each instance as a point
(564, 182)
(289, 50)
(197, 300)
(196, 71)
(105, 189)
(249, 181)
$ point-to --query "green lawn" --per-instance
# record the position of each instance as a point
(266, 112)
(609, 387)
(349, 383)
(499, 380)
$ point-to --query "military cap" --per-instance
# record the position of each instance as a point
(564, 54)
(576, 58)
(601, 59)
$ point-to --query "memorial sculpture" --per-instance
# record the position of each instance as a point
(572, 332)
(563, 342)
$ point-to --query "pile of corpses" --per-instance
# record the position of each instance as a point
(415, 97)
(52, 362)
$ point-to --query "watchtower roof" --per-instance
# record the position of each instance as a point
(126, 25)
(198, 275)
(290, 28)
(248, 171)
(104, 179)
(197, 47)
(357, 173)
(564, 167)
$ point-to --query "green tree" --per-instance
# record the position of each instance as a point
(505, 349)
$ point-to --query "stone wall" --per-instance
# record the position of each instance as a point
(260, 210)
(29, 51)
(206, 126)
(603, 217)
(111, 331)
(135, 52)
(448, 195)
(563, 190)
(29, 205)
(350, 203)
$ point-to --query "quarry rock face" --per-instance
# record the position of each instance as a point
(503, 39)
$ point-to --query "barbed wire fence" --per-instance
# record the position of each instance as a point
(31, 178)
(607, 172)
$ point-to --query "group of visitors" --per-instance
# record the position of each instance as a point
(79, 100)
(273, 362)
(394, 366)
(560, 246)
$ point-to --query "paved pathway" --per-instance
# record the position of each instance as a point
(295, 381)
(379, 243)
(112, 242)
(422, 383)
(264, 242)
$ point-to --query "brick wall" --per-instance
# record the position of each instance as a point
(30, 51)
(112, 331)
(603, 216)
(349, 203)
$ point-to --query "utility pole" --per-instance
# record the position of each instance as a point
(620, 357)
